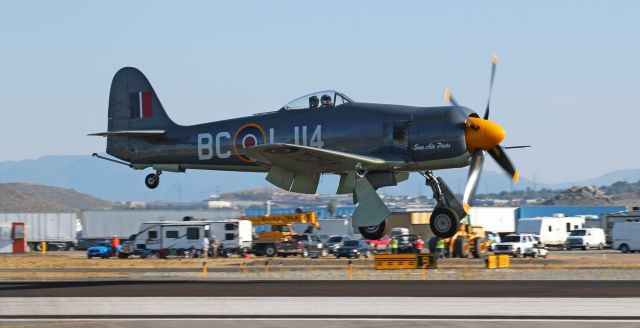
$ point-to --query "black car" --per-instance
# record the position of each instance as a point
(353, 248)
(334, 242)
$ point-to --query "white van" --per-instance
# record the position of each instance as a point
(626, 236)
(586, 238)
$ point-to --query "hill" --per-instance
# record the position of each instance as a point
(25, 197)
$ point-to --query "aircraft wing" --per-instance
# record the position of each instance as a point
(298, 158)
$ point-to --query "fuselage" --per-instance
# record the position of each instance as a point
(424, 138)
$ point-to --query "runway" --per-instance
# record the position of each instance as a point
(334, 288)
(320, 303)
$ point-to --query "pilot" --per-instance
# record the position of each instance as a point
(326, 101)
(313, 102)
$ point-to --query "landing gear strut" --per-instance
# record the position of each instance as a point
(153, 180)
(445, 219)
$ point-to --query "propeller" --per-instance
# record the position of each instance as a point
(482, 135)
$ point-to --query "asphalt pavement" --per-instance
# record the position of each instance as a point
(343, 288)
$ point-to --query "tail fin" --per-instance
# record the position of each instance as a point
(133, 106)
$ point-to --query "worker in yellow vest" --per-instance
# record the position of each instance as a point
(440, 248)
(394, 246)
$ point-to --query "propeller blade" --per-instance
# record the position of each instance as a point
(448, 97)
(516, 147)
(477, 160)
(494, 63)
(503, 160)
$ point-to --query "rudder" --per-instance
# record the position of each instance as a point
(133, 106)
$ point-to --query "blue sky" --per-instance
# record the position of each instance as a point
(568, 80)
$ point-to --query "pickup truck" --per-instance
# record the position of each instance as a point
(307, 245)
(515, 244)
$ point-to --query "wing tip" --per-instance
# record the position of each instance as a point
(516, 177)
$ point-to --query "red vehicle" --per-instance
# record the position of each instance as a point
(379, 245)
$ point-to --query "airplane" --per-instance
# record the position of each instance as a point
(369, 145)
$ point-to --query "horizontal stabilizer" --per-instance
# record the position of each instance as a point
(130, 133)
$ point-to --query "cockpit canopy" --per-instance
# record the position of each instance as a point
(322, 99)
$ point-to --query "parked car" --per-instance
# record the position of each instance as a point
(586, 238)
(83, 244)
(515, 244)
(102, 250)
(353, 248)
(311, 245)
(379, 244)
(334, 241)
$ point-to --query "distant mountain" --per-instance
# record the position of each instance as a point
(115, 182)
(26, 197)
(628, 175)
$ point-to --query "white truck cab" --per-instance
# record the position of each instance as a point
(515, 244)
(586, 238)
(626, 236)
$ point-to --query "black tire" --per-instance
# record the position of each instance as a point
(479, 249)
(624, 248)
(518, 253)
(270, 251)
(152, 181)
(460, 247)
(337, 256)
(123, 255)
(373, 232)
(444, 222)
(89, 256)
(433, 243)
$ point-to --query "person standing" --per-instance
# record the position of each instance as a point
(115, 242)
(394, 246)
(419, 245)
(214, 246)
(205, 246)
(440, 248)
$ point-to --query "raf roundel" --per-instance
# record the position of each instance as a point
(246, 136)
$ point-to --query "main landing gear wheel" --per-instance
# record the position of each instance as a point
(152, 181)
(373, 232)
(444, 222)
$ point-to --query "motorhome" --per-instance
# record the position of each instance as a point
(553, 231)
(235, 235)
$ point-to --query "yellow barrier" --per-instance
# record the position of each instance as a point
(498, 261)
(503, 261)
(492, 262)
(404, 261)
(427, 261)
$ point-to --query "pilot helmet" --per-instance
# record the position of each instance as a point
(313, 101)
(326, 100)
